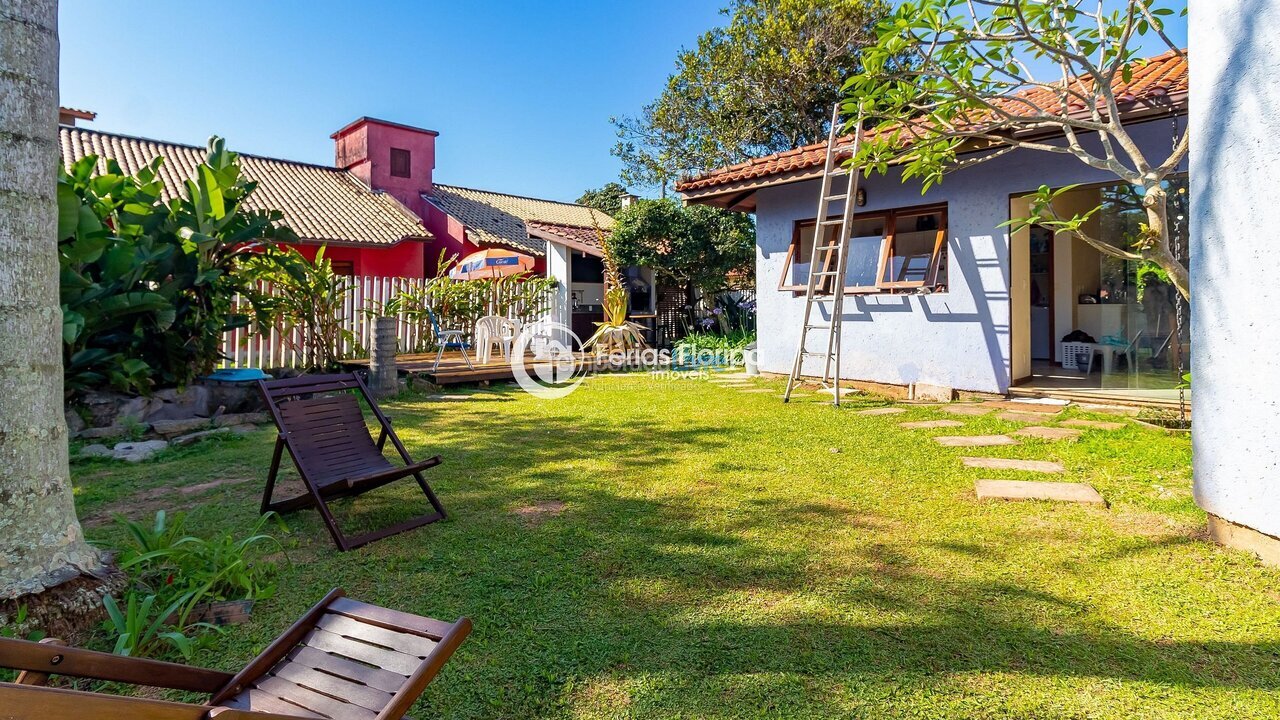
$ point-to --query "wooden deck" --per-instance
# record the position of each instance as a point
(453, 370)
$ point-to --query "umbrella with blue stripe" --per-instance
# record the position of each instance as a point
(491, 263)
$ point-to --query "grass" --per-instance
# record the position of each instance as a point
(720, 554)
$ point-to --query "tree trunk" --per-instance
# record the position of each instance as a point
(41, 543)
(1156, 202)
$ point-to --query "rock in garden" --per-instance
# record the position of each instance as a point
(169, 428)
(75, 423)
(138, 451)
(183, 440)
(95, 450)
(112, 431)
(252, 418)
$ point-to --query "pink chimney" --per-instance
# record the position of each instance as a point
(389, 156)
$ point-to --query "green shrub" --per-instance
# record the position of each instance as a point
(147, 284)
(171, 573)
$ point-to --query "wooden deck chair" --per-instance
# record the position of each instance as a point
(323, 429)
(344, 660)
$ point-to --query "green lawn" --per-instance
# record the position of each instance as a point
(720, 554)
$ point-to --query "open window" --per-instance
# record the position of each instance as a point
(895, 250)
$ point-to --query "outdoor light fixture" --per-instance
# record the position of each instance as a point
(861, 198)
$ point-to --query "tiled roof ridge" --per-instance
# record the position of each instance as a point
(519, 197)
(204, 148)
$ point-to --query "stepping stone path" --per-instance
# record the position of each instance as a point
(1043, 466)
(930, 424)
(1021, 417)
(449, 397)
(967, 409)
(974, 440)
(735, 385)
(882, 411)
(757, 390)
(843, 391)
(1024, 490)
(1094, 424)
(1048, 433)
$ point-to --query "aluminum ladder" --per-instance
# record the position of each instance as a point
(827, 283)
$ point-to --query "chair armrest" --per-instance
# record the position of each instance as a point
(77, 662)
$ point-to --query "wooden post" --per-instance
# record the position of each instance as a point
(382, 358)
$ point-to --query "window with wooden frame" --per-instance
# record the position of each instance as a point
(400, 161)
(889, 251)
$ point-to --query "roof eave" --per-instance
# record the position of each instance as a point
(719, 194)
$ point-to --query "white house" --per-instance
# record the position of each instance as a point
(988, 309)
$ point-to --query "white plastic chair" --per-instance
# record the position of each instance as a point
(494, 330)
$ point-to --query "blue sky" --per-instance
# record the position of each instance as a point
(521, 92)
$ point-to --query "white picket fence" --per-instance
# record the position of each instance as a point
(368, 296)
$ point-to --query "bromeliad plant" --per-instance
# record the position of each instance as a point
(148, 276)
(616, 334)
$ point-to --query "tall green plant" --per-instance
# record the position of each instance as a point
(147, 284)
(304, 299)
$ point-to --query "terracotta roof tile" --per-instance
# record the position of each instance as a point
(497, 218)
(578, 238)
(321, 204)
(1158, 77)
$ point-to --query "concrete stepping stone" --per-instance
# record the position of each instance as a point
(758, 390)
(1038, 490)
(930, 424)
(989, 463)
(1027, 407)
(1094, 424)
(1048, 433)
(449, 397)
(843, 391)
(1012, 416)
(974, 440)
(1109, 409)
(736, 386)
(967, 409)
(882, 411)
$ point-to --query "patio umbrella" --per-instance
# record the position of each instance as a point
(491, 263)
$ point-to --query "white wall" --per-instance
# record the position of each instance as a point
(560, 266)
(959, 338)
(1235, 153)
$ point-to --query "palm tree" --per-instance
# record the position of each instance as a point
(45, 562)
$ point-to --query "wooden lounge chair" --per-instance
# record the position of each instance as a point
(323, 429)
(343, 660)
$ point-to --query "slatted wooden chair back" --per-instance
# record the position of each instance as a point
(347, 660)
(330, 437)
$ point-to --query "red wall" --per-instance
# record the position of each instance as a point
(405, 259)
